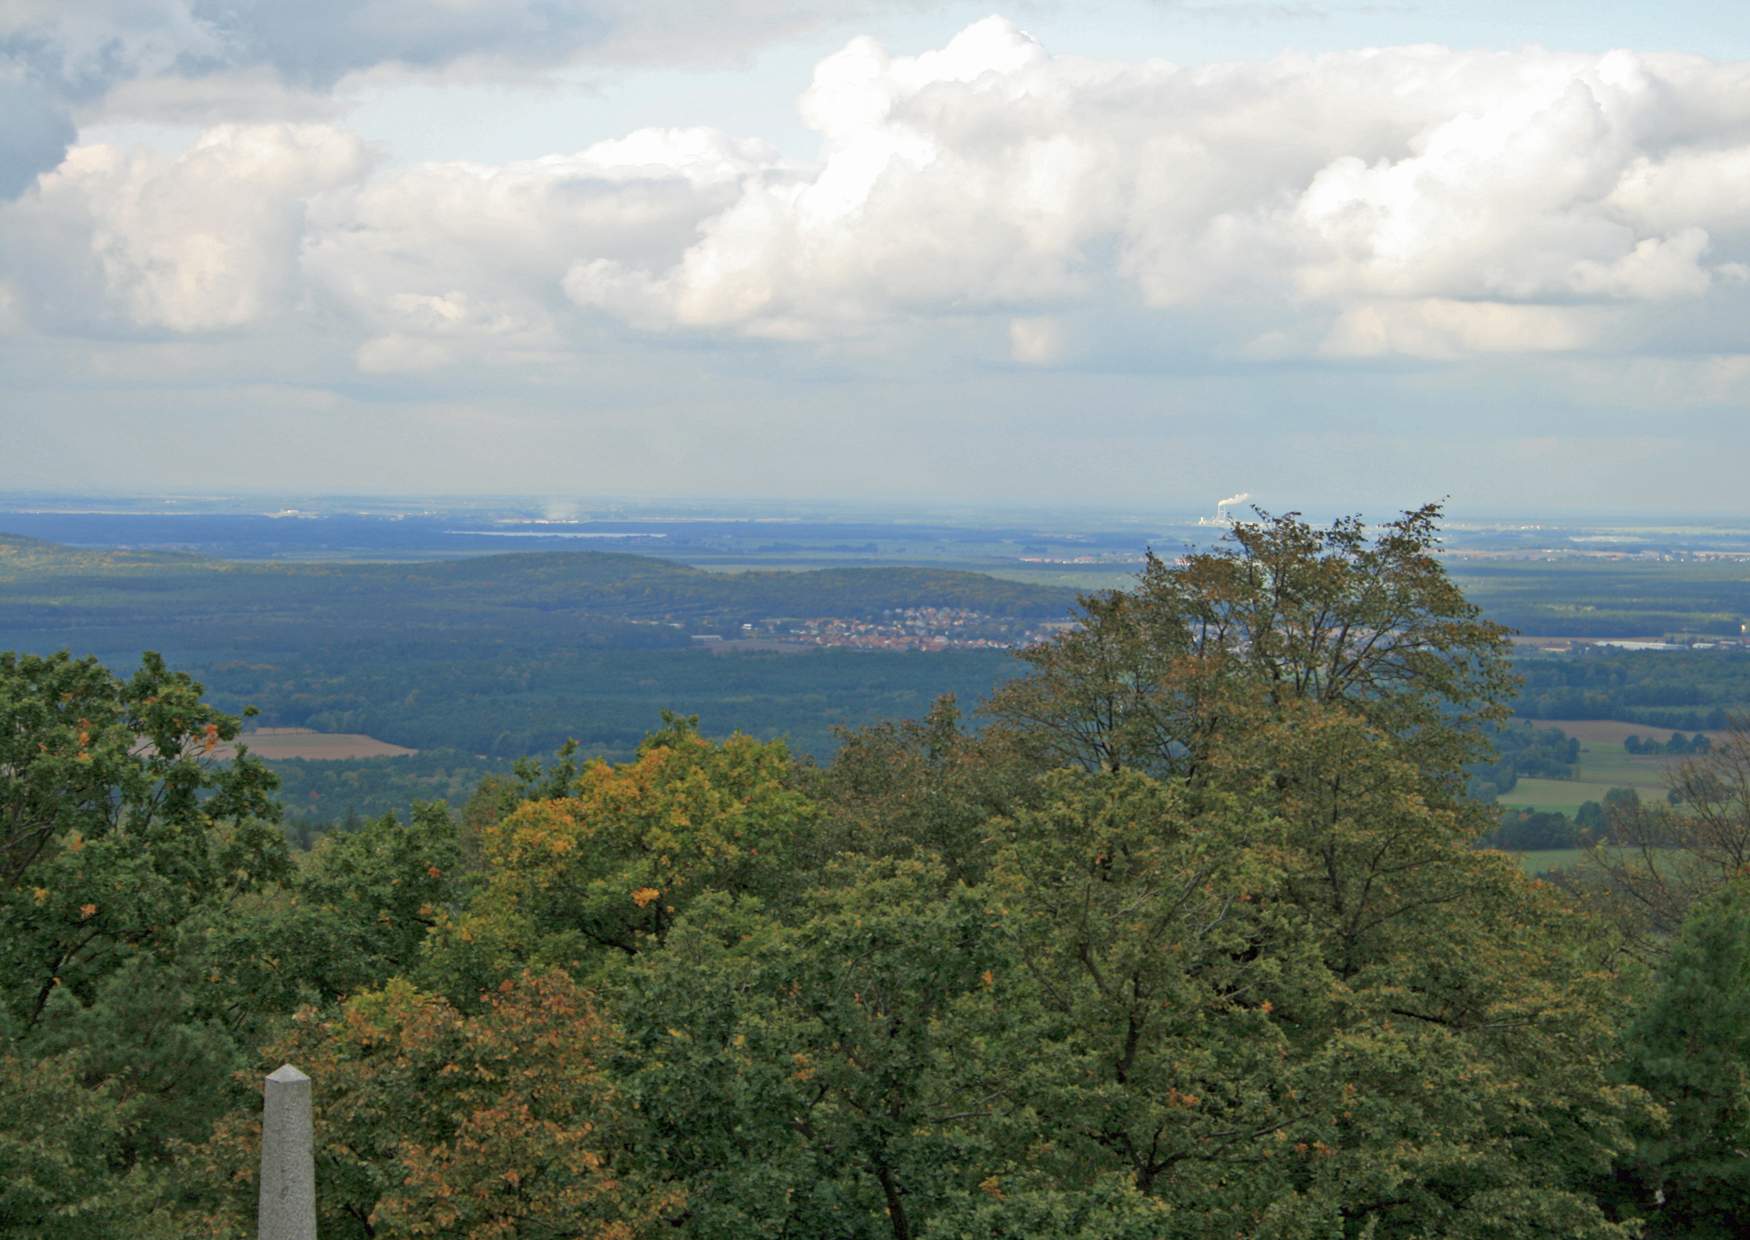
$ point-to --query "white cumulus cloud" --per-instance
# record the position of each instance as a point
(1468, 198)
(982, 198)
(207, 240)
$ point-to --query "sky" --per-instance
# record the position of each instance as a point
(1140, 252)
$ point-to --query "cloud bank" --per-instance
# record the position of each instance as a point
(1532, 229)
(1414, 202)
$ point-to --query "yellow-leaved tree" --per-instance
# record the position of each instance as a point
(601, 873)
(432, 1121)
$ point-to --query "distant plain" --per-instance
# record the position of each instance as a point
(423, 643)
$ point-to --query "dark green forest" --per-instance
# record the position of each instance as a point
(1685, 690)
(1520, 749)
(1612, 597)
(504, 656)
(1196, 936)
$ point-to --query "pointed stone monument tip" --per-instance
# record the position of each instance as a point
(285, 1074)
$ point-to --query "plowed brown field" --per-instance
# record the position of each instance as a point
(276, 743)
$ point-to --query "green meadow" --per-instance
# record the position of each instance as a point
(1542, 861)
(1548, 860)
(1560, 796)
(1604, 764)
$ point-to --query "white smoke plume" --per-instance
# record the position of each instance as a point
(1231, 500)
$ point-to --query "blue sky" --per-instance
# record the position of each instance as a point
(1333, 254)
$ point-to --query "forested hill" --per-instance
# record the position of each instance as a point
(641, 587)
(507, 655)
(21, 556)
(606, 584)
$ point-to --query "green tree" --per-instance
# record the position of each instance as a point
(1305, 1004)
(120, 836)
(820, 1078)
(1620, 800)
(924, 789)
(1167, 972)
(1484, 987)
(1283, 612)
(60, 1177)
(388, 883)
(1690, 1049)
(115, 822)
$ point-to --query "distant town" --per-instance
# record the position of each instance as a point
(909, 628)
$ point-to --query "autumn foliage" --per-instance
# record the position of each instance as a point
(436, 1122)
(1195, 938)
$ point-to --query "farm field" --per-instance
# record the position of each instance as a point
(1547, 860)
(1621, 769)
(1604, 764)
(1558, 796)
(278, 744)
(1611, 732)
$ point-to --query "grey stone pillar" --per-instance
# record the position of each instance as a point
(288, 1159)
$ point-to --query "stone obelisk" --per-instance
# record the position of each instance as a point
(288, 1159)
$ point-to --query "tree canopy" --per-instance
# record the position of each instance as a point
(1198, 938)
(1159, 676)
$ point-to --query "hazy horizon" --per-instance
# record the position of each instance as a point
(551, 506)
